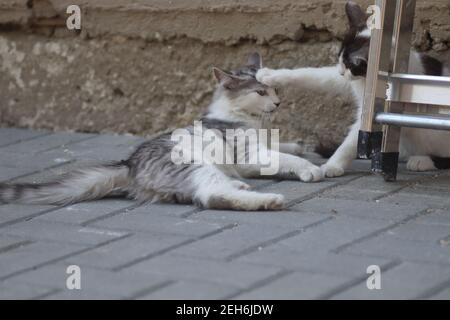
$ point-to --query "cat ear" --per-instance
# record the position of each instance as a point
(225, 79)
(255, 61)
(220, 75)
(356, 16)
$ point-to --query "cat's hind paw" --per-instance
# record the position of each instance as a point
(274, 202)
(240, 185)
(420, 164)
(262, 202)
(311, 174)
(268, 77)
(331, 171)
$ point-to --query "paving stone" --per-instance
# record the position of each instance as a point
(236, 241)
(438, 217)
(128, 250)
(428, 190)
(403, 171)
(193, 290)
(12, 135)
(443, 295)
(46, 143)
(415, 199)
(32, 255)
(359, 209)
(16, 165)
(282, 218)
(7, 174)
(61, 233)
(318, 248)
(14, 212)
(296, 286)
(231, 273)
(376, 183)
(421, 232)
(22, 291)
(315, 262)
(406, 281)
(159, 224)
(82, 295)
(387, 246)
(94, 283)
(173, 210)
(333, 234)
(438, 182)
(8, 242)
(86, 211)
(371, 187)
(101, 148)
(352, 194)
(293, 190)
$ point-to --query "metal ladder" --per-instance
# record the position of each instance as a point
(393, 98)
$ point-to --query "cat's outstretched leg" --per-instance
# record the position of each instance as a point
(295, 149)
(344, 155)
(240, 185)
(421, 164)
(282, 165)
(215, 190)
(325, 79)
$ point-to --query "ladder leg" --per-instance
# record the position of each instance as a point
(370, 136)
(386, 161)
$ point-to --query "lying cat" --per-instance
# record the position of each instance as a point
(150, 174)
(418, 145)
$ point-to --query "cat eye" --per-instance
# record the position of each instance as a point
(262, 93)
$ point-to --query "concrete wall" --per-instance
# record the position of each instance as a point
(145, 66)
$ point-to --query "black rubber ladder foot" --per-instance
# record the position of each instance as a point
(386, 164)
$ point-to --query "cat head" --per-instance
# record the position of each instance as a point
(354, 54)
(239, 94)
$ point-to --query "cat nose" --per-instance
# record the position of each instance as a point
(277, 104)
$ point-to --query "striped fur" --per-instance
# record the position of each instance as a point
(81, 185)
(150, 175)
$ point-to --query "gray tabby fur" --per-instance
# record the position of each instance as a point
(149, 174)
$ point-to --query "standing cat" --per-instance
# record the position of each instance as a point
(150, 174)
(418, 146)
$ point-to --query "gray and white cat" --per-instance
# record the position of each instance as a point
(149, 174)
(418, 146)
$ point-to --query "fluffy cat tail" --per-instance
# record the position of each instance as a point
(81, 185)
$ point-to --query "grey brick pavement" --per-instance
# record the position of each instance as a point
(319, 248)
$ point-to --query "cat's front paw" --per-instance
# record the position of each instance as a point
(420, 164)
(269, 77)
(310, 174)
(332, 171)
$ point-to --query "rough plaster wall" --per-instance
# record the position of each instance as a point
(145, 67)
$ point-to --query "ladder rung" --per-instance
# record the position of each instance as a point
(417, 89)
(419, 78)
(412, 121)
